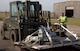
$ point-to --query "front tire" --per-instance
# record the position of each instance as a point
(14, 36)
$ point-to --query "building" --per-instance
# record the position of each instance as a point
(71, 8)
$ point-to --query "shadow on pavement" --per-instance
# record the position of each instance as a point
(2, 49)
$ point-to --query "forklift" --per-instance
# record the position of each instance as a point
(27, 27)
(25, 18)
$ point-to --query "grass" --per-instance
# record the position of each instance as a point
(3, 15)
(71, 21)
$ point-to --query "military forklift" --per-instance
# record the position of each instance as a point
(27, 27)
(25, 18)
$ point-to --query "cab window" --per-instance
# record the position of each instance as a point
(32, 9)
(20, 6)
(14, 10)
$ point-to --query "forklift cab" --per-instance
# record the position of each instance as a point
(28, 8)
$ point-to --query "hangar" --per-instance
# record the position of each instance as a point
(71, 8)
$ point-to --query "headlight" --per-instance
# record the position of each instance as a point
(18, 20)
(9, 25)
(15, 18)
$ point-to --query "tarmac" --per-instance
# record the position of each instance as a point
(7, 45)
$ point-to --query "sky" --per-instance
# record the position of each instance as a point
(47, 5)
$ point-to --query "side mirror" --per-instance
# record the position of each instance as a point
(40, 13)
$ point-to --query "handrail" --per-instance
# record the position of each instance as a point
(51, 42)
(70, 32)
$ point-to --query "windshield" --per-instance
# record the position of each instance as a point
(32, 9)
(15, 9)
(20, 6)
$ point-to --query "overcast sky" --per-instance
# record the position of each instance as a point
(46, 4)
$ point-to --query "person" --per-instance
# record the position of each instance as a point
(63, 20)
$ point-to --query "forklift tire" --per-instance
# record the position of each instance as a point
(2, 33)
(14, 36)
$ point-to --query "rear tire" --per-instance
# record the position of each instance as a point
(14, 36)
(2, 33)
